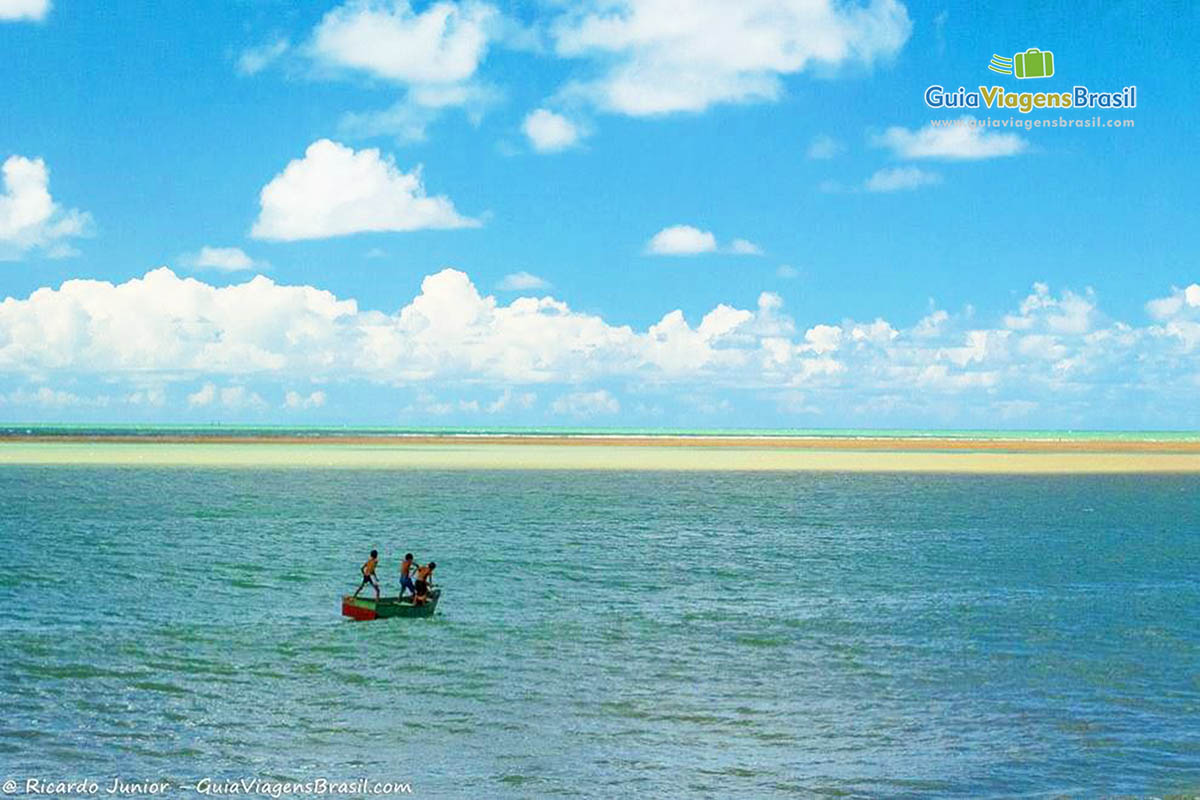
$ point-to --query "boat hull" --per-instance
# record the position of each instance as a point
(363, 609)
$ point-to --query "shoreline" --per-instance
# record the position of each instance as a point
(632, 453)
(899, 444)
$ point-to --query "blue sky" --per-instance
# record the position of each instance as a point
(768, 169)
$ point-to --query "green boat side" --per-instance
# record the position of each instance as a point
(368, 608)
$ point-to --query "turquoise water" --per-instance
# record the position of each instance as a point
(607, 634)
(317, 431)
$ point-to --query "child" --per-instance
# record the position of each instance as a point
(368, 574)
(405, 579)
(424, 581)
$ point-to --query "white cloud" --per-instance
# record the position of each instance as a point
(408, 119)
(335, 190)
(586, 404)
(961, 142)
(234, 398)
(155, 397)
(1055, 350)
(656, 57)
(744, 247)
(687, 240)
(29, 217)
(681, 240)
(1070, 313)
(1177, 301)
(295, 400)
(255, 59)
(442, 45)
(824, 147)
(204, 397)
(787, 272)
(511, 400)
(226, 259)
(239, 397)
(13, 10)
(46, 397)
(549, 132)
(899, 179)
(522, 281)
(434, 54)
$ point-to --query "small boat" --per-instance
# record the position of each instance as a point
(365, 608)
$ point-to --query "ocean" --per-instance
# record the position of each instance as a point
(102, 431)
(606, 634)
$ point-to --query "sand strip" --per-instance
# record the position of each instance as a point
(950, 456)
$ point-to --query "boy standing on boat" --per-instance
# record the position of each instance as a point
(406, 581)
(368, 574)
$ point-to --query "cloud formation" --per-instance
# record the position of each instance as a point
(27, 10)
(335, 191)
(255, 59)
(652, 58)
(522, 282)
(548, 132)
(824, 147)
(30, 220)
(434, 55)
(1055, 354)
(225, 259)
(899, 179)
(586, 404)
(444, 44)
(963, 142)
(688, 240)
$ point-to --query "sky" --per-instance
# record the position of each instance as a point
(607, 213)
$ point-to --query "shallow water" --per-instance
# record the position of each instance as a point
(663, 634)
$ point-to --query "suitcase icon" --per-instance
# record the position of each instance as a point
(1033, 63)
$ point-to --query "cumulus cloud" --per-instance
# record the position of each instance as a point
(295, 400)
(681, 240)
(586, 404)
(234, 398)
(47, 397)
(225, 259)
(549, 132)
(1055, 350)
(687, 240)
(335, 190)
(30, 220)
(511, 400)
(655, 59)
(900, 179)
(32, 10)
(1179, 299)
(521, 282)
(442, 45)
(963, 142)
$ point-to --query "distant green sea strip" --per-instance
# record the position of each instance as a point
(70, 430)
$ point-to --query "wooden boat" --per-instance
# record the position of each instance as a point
(365, 608)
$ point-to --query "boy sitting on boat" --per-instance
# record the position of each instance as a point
(368, 574)
(424, 581)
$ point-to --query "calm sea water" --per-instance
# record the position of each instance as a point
(8, 429)
(607, 634)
